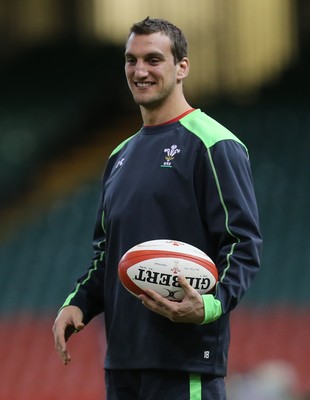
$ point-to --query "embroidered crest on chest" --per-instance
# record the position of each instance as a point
(169, 155)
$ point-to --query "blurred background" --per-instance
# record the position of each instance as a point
(64, 106)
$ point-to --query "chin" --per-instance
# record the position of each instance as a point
(148, 103)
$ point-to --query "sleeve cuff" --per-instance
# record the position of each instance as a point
(212, 307)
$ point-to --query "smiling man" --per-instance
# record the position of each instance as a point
(202, 194)
(155, 76)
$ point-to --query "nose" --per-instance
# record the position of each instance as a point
(140, 69)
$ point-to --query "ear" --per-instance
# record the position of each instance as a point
(183, 68)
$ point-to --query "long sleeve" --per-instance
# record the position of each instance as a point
(88, 293)
(231, 216)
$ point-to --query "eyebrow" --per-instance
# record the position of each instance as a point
(148, 55)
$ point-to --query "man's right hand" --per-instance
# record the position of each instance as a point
(68, 321)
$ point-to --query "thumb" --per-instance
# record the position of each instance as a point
(185, 285)
(75, 326)
(78, 323)
(79, 326)
(183, 282)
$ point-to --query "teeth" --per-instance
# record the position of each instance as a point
(142, 84)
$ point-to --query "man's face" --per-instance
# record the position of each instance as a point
(150, 69)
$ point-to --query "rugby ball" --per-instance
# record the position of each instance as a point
(156, 265)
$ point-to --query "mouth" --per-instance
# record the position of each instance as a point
(143, 85)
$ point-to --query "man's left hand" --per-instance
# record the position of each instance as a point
(189, 310)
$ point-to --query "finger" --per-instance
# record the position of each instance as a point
(157, 303)
(157, 298)
(60, 338)
(65, 356)
(60, 345)
(62, 351)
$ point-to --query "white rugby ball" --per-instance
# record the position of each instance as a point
(156, 265)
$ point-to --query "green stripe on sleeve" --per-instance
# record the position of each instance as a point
(70, 297)
(90, 271)
(195, 387)
(237, 240)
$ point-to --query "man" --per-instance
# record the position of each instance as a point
(158, 349)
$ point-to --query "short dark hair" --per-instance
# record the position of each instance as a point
(154, 25)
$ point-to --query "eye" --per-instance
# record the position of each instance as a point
(154, 61)
(130, 61)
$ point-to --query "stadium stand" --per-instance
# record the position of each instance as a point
(48, 96)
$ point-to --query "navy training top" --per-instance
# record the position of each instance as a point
(190, 181)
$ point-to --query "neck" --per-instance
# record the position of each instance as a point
(164, 112)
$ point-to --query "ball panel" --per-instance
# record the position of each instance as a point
(170, 245)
